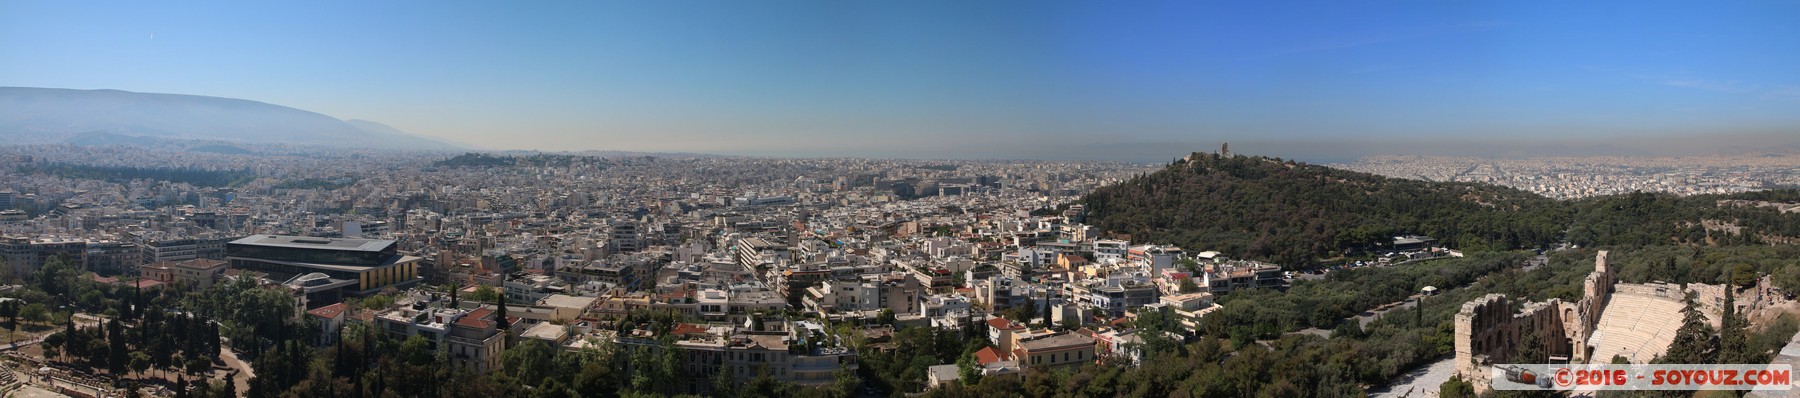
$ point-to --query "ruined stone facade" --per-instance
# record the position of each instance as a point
(1488, 329)
(1596, 293)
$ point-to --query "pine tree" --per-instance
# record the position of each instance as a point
(1456, 388)
(723, 385)
(1694, 342)
(1348, 329)
(968, 370)
(1530, 350)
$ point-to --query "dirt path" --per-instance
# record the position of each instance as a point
(1421, 382)
(244, 372)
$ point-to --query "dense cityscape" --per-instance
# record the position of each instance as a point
(571, 240)
(1569, 177)
(781, 198)
(708, 272)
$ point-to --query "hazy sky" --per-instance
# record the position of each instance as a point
(946, 79)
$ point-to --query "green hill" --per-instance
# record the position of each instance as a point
(1649, 219)
(1294, 213)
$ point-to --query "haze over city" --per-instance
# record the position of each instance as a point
(1322, 81)
(829, 199)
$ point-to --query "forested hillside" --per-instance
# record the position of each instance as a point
(1640, 219)
(116, 174)
(482, 160)
(1294, 213)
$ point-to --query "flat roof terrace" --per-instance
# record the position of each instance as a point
(307, 242)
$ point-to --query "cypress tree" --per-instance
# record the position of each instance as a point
(69, 343)
(1027, 311)
(337, 354)
(137, 299)
(212, 340)
(1419, 312)
(1733, 344)
(500, 320)
(500, 315)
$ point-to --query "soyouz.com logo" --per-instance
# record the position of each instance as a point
(1642, 377)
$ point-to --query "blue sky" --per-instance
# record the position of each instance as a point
(954, 79)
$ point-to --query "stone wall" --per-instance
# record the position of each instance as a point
(1710, 298)
(1596, 291)
(1478, 327)
(1488, 330)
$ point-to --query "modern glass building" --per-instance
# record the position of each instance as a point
(355, 267)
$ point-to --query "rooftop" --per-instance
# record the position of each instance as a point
(1056, 341)
(1003, 323)
(199, 263)
(567, 301)
(329, 311)
(545, 331)
(987, 355)
(474, 319)
(307, 242)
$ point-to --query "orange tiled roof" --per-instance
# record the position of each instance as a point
(477, 319)
(1003, 323)
(987, 355)
(329, 311)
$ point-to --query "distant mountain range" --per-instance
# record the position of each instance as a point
(106, 117)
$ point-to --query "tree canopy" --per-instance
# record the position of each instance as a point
(1295, 213)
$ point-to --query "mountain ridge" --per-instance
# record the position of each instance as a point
(33, 115)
